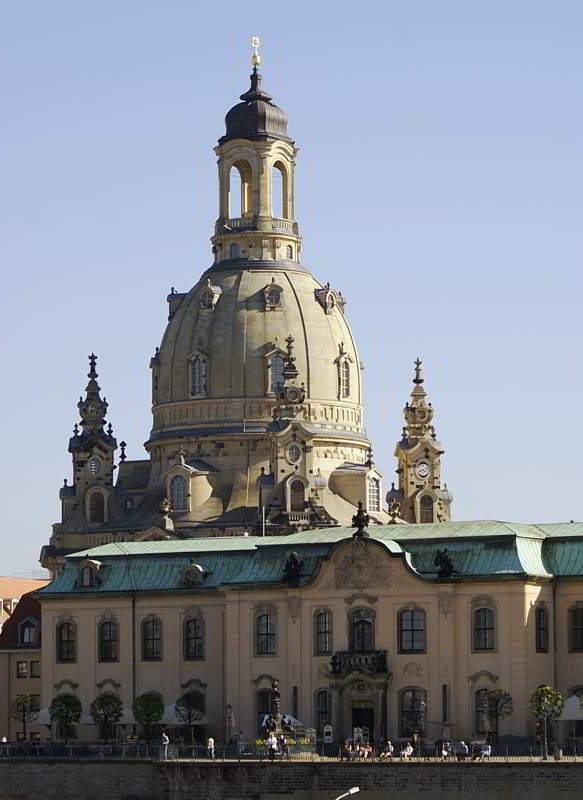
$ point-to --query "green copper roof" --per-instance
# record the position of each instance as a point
(485, 548)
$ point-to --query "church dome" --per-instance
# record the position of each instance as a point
(223, 349)
(256, 117)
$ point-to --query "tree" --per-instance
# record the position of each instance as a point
(106, 710)
(24, 710)
(546, 703)
(65, 711)
(497, 704)
(148, 709)
(190, 709)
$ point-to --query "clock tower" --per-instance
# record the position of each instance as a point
(420, 495)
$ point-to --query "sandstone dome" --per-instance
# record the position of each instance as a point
(238, 337)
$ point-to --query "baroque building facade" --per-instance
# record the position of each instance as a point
(258, 427)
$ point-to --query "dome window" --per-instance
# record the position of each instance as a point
(290, 252)
(345, 378)
(275, 364)
(178, 493)
(198, 376)
(210, 296)
(272, 294)
(235, 251)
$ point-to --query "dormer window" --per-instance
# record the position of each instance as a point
(87, 576)
(28, 633)
(178, 500)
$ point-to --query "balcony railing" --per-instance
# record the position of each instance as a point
(254, 223)
(371, 661)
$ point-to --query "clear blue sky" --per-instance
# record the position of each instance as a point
(440, 181)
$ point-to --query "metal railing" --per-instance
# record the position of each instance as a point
(373, 661)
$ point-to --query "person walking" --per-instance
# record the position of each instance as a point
(210, 748)
(165, 743)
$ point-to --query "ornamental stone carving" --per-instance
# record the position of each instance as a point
(361, 569)
(445, 603)
(413, 669)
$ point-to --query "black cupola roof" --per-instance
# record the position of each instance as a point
(256, 117)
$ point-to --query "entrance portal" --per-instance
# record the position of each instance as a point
(363, 718)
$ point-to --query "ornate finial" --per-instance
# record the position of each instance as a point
(172, 290)
(110, 429)
(123, 456)
(360, 521)
(255, 58)
(418, 379)
(76, 429)
(369, 461)
(290, 370)
(92, 361)
(181, 455)
(65, 483)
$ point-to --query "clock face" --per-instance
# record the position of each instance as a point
(93, 410)
(420, 414)
(422, 470)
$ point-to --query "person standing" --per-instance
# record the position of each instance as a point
(210, 748)
(165, 743)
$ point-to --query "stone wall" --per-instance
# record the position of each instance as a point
(144, 780)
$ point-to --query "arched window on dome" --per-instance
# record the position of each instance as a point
(198, 376)
(275, 365)
(344, 378)
(178, 499)
(279, 191)
(289, 252)
(235, 251)
(426, 509)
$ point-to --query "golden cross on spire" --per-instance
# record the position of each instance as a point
(255, 58)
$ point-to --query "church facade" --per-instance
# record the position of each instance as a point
(225, 560)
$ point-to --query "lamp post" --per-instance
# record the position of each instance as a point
(354, 790)
(229, 717)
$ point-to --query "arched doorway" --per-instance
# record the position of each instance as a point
(297, 496)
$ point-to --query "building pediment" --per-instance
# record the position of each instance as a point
(154, 534)
(367, 564)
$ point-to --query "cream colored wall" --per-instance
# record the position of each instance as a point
(234, 673)
(11, 687)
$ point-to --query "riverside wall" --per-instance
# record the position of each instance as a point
(149, 780)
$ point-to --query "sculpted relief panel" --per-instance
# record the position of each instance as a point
(361, 567)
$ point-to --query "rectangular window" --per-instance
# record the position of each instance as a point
(576, 629)
(22, 669)
(323, 633)
(541, 630)
(484, 629)
(35, 702)
(35, 669)
(265, 635)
